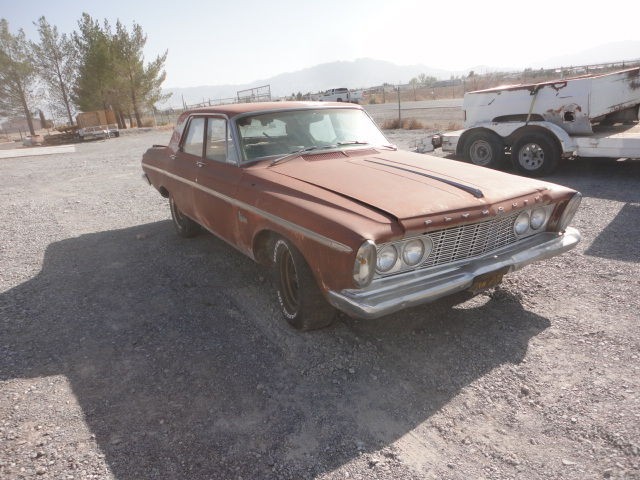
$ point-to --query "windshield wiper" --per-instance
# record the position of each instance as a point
(296, 153)
(358, 142)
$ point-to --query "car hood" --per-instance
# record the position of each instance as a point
(408, 185)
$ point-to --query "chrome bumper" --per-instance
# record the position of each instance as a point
(391, 294)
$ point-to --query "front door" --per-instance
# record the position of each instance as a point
(217, 176)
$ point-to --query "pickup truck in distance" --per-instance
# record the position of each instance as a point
(341, 95)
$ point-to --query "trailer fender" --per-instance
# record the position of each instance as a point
(564, 141)
(510, 132)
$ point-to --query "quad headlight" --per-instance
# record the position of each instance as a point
(403, 255)
(412, 252)
(532, 220)
(387, 258)
(521, 224)
(538, 217)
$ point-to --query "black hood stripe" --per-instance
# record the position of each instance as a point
(476, 192)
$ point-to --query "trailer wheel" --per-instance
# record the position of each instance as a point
(484, 149)
(535, 155)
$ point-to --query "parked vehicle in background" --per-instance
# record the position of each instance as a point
(538, 124)
(344, 219)
(97, 124)
(341, 95)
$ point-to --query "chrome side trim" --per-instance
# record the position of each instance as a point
(333, 244)
(391, 294)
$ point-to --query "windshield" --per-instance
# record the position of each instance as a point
(281, 133)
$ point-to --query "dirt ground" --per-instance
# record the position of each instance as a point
(129, 353)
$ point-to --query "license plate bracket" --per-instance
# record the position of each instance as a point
(488, 280)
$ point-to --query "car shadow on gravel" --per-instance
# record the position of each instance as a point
(183, 368)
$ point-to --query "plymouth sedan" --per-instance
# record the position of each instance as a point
(345, 220)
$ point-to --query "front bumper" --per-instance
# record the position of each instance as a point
(394, 293)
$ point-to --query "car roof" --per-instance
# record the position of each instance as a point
(234, 109)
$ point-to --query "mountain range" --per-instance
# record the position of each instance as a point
(367, 72)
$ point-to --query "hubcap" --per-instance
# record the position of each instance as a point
(480, 152)
(531, 156)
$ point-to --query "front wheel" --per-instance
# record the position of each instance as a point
(535, 155)
(299, 297)
(185, 227)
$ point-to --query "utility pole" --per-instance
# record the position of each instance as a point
(399, 111)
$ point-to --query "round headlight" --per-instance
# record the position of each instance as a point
(522, 224)
(387, 258)
(412, 252)
(538, 217)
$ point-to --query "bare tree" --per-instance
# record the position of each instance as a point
(16, 74)
(55, 58)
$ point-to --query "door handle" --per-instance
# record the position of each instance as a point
(200, 164)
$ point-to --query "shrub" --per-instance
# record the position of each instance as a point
(406, 124)
(392, 124)
(412, 124)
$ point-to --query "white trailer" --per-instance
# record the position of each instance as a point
(587, 116)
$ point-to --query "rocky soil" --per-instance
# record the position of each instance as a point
(129, 353)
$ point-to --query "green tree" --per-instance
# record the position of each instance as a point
(142, 83)
(54, 57)
(17, 81)
(95, 87)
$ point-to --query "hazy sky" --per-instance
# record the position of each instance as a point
(232, 42)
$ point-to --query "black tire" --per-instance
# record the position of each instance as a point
(185, 227)
(299, 297)
(535, 155)
(484, 149)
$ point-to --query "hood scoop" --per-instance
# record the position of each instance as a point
(324, 156)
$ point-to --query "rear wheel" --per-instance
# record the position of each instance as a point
(535, 154)
(185, 227)
(299, 297)
(484, 149)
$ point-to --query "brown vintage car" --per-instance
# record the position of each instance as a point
(344, 219)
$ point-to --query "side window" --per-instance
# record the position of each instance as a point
(195, 136)
(216, 139)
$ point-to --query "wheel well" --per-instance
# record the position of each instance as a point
(262, 246)
(462, 144)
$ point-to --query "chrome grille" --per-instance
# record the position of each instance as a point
(468, 241)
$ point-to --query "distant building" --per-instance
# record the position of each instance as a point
(19, 124)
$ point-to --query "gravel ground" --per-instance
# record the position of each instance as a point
(127, 352)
